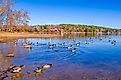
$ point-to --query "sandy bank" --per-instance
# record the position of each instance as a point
(26, 35)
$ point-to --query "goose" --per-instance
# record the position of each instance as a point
(51, 46)
(63, 44)
(90, 38)
(73, 50)
(70, 47)
(86, 42)
(10, 55)
(47, 66)
(27, 45)
(10, 67)
(16, 69)
(100, 39)
(109, 40)
(24, 44)
(78, 44)
(113, 42)
(37, 43)
(38, 70)
(74, 40)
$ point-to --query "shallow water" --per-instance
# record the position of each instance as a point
(98, 60)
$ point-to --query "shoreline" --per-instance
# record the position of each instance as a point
(39, 35)
(5, 37)
(27, 35)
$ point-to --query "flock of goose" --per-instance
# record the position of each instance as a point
(18, 69)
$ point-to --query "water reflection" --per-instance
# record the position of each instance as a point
(94, 59)
(78, 35)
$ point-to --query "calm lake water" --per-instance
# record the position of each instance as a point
(96, 60)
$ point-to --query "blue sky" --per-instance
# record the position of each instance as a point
(91, 12)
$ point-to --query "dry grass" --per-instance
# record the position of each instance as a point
(10, 36)
(27, 35)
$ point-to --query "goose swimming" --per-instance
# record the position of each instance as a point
(47, 66)
(70, 47)
(38, 70)
(73, 50)
(10, 55)
(16, 69)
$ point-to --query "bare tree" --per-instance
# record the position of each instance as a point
(5, 9)
(18, 18)
(12, 18)
(22, 17)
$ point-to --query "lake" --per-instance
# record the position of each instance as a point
(96, 58)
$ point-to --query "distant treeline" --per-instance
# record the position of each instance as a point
(59, 29)
(73, 28)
